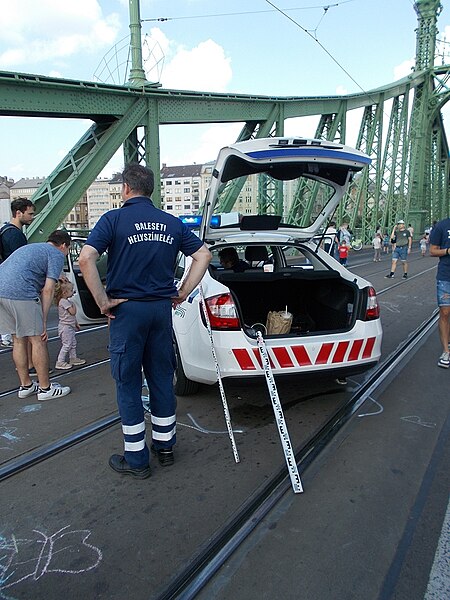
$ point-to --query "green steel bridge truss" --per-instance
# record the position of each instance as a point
(400, 127)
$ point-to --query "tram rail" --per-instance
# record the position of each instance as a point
(28, 459)
(188, 583)
(211, 555)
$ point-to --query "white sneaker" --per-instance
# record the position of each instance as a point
(444, 360)
(77, 361)
(24, 392)
(56, 391)
(63, 366)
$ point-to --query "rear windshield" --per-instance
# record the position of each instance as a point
(268, 258)
(298, 201)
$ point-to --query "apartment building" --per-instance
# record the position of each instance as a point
(98, 200)
(5, 200)
(27, 186)
(181, 189)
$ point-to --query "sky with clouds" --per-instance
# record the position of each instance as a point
(313, 49)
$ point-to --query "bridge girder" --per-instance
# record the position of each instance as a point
(408, 175)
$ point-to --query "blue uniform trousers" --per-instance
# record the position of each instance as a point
(141, 335)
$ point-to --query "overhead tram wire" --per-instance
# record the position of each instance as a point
(325, 7)
(325, 50)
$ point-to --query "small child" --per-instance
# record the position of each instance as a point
(423, 245)
(343, 252)
(386, 244)
(377, 243)
(67, 325)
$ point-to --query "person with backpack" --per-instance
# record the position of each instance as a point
(12, 237)
(11, 234)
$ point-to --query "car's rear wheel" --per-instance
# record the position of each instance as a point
(182, 386)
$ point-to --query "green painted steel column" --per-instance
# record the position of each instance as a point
(418, 207)
(137, 74)
(152, 149)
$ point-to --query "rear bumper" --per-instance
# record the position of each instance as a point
(238, 355)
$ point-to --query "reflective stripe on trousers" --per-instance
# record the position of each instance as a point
(141, 334)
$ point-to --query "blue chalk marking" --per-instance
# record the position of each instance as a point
(30, 408)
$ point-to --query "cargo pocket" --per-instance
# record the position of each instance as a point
(117, 351)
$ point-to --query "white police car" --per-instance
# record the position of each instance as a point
(284, 265)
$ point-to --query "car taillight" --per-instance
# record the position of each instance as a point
(372, 308)
(222, 312)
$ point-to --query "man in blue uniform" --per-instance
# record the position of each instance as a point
(440, 247)
(142, 243)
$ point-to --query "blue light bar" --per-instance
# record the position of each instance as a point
(192, 221)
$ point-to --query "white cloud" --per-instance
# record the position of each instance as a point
(404, 69)
(301, 126)
(215, 138)
(341, 90)
(203, 68)
(49, 30)
(188, 144)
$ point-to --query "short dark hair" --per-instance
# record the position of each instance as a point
(20, 204)
(229, 254)
(139, 178)
(59, 237)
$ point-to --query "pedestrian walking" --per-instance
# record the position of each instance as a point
(143, 243)
(27, 283)
(344, 233)
(423, 242)
(440, 247)
(330, 243)
(386, 243)
(67, 327)
(343, 252)
(377, 243)
(402, 241)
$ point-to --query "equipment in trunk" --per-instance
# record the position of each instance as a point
(319, 302)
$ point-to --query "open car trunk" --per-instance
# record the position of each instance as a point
(319, 302)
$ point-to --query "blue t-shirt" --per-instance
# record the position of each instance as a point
(143, 243)
(440, 236)
(23, 274)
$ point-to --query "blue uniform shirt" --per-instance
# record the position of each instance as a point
(143, 243)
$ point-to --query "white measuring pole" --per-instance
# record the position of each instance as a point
(279, 417)
(219, 378)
